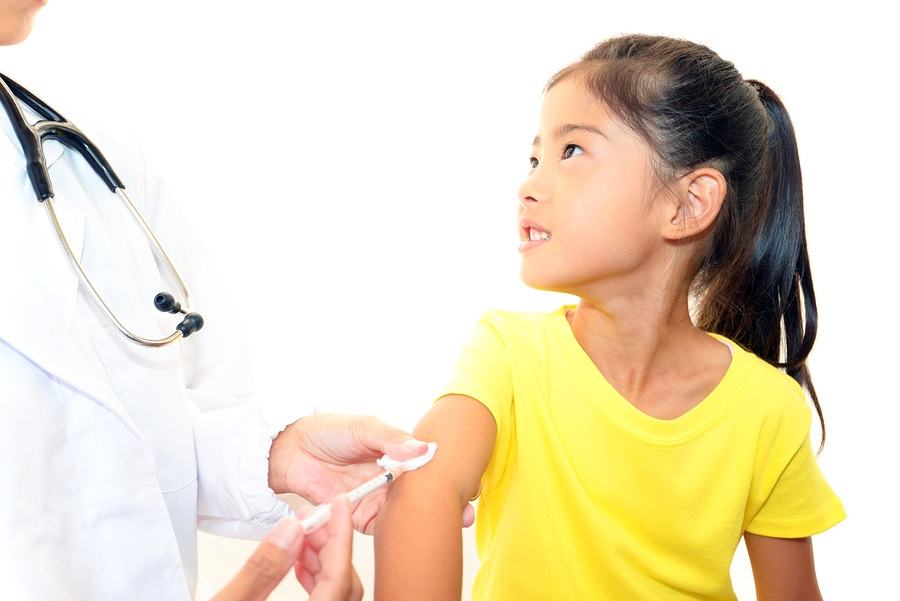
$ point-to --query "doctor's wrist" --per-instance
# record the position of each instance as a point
(281, 455)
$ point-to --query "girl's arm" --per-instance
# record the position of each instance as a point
(418, 541)
(783, 568)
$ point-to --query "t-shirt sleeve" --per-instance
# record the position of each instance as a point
(482, 371)
(800, 503)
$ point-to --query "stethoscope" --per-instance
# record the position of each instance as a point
(54, 126)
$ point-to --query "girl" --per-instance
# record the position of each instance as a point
(623, 446)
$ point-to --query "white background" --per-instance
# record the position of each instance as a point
(354, 167)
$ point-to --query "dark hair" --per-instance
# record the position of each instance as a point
(694, 109)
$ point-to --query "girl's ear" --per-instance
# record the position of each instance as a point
(699, 197)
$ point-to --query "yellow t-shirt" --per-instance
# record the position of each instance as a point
(586, 497)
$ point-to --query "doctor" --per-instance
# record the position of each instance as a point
(113, 454)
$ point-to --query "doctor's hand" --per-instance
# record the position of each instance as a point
(324, 567)
(321, 561)
(322, 455)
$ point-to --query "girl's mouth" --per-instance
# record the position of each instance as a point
(536, 234)
(535, 237)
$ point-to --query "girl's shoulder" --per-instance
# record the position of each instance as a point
(770, 391)
(527, 329)
(524, 320)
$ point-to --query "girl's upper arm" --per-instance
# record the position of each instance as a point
(783, 568)
(465, 432)
(418, 540)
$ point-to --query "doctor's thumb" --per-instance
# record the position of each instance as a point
(384, 439)
(268, 565)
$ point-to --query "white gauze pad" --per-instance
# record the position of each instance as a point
(411, 464)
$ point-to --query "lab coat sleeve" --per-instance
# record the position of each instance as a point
(232, 446)
(232, 433)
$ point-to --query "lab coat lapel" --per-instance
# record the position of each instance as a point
(34, 330)
(41, 289)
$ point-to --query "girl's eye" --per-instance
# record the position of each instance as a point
(569, 150)
(568, 153)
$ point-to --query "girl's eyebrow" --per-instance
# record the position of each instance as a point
(569, 127)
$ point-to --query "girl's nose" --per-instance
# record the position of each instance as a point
(530, 192)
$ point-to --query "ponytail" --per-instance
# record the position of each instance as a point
(777, 287)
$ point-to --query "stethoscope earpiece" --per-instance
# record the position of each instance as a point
(166, 303)
(190, 324)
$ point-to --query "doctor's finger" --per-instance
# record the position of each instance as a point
(336, 578)
(308, 580)
(273, 558)
(380, 439)
(468, 515)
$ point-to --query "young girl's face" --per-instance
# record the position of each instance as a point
(587, 188)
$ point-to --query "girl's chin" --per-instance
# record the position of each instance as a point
(538, 282)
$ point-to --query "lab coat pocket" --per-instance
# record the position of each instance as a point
(150, 383)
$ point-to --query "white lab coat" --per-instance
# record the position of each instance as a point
(113, 454)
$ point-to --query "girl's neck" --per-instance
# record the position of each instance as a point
(639, 344)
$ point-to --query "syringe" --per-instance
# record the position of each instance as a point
(393, 469)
